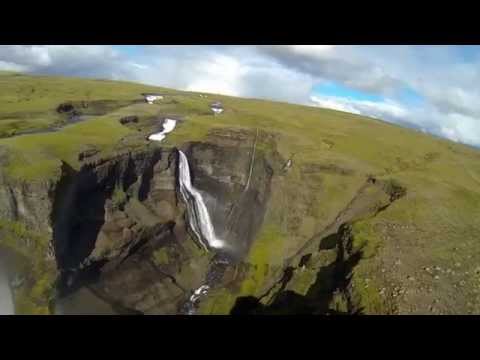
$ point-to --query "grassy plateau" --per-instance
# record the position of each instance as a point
(435, 225)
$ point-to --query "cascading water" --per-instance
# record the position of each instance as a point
(199, 218)
(214, 275)
(201, 224)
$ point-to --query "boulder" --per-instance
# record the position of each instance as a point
(129, 119)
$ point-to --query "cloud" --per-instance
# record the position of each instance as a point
(79, 60)
(27, 56)
(387, 110)
(8, 66)
(237, 71)
(218, 74)
(446, 78)
(426, 118)
(339, 63)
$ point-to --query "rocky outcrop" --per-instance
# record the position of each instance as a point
(327, 262)
(27, 202)
(65, 108)
(87, 154)
(90, 206)
(221, 172)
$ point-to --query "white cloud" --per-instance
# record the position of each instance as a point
(138, 66)
(218, 74)
(237, 72)
(461, 128)
(442, 75)
(27, 56)
(387, 110)
(78, 60)
(453, 126)
(314, 50)
(8, 66)
(449, 133)
(335, 103)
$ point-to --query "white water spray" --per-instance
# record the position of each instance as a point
(200, 221)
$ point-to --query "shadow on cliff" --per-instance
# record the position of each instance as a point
(78, 215)
(330, 279)
(333, 278)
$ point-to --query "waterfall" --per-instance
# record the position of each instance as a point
(201, 224)
(195, 297)
(199, 218)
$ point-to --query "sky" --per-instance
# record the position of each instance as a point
(435, 89)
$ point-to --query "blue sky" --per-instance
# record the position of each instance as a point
(433, 88)
(411, 97)
(338, 90)
(129, 50)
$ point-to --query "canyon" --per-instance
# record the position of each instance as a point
(265, 208)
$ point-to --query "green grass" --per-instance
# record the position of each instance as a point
(219, 302)
(30, 248)
(29, 97)
(441, 206)
(161, 256)
(442, 178)
(267, 253)
(365, 239)
(119, 197)
(38, 156)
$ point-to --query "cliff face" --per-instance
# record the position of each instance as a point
(118, 226)
(30, 203)
(161, 264)
(235, 178)
(322, 276)
(89, 207)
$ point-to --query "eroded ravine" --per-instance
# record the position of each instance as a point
(200, 223)
(142, 255)
(332, 278)
(132, 229)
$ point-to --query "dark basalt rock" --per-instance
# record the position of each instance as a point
(87, 153)
(129, 119)
(65, 108)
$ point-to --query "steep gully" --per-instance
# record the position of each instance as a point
(332, 278)
(104, 241)
(199, 222)
(201, 225)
